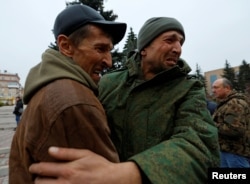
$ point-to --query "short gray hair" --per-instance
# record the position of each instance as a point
(226, 82)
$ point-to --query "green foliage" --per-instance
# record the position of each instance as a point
(244, 75)
(98, 6)
(228, 72)
(118, 59)
(199, 76)
(131, 43)
(53, 46)
(72, 3)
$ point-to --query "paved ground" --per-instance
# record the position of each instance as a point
(7, 125)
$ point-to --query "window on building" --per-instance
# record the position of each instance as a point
(212, 79)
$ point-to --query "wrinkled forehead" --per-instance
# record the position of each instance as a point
(172, 33)
(217, 84)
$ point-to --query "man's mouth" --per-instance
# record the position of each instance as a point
(171, 61)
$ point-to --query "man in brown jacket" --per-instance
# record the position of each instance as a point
(60, 93)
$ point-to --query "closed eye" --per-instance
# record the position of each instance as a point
(103, 48)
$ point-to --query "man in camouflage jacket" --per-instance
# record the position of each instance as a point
(157, 114)
(161, 124)
(232, 118)
(247, 90)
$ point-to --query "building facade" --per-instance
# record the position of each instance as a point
(10, 87)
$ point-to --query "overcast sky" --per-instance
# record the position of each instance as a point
(216, 30)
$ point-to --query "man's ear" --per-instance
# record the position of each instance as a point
(64, 45)
(143, 52)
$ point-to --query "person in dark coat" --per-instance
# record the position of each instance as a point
(18, 110)
(211, 106)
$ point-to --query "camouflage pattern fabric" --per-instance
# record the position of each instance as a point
(162, 124)
(232, 118)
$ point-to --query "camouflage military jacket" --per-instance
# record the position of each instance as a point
(161, 124)
(232, 118)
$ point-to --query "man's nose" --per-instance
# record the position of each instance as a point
(107, 60)
(177, 48)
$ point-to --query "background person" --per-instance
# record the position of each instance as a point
(232, 118)
(247, 90)
(18, 110)
(60, 93)
(158, 116)
(211, 106)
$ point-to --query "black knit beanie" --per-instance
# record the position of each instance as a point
(154, 27)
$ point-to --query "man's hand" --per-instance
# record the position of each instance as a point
(84, 166)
